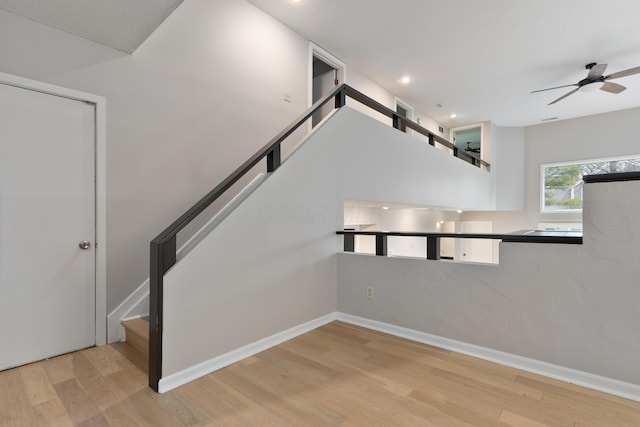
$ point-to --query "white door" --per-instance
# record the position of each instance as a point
(476, 250)
(47, 208)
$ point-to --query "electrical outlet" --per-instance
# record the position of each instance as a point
(370, 294)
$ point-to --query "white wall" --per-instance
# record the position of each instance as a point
(365, 85)
(395, 219)
(602, 135)
(597, 136)
(508, 166)
(271, 264)
(193, 102)
(570, 305)
(201, 95)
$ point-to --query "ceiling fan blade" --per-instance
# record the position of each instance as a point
(623, 73)
(612, 87)
(564, 96)
(596, 71)
(551, 88)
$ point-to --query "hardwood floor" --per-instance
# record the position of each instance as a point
(335, 375)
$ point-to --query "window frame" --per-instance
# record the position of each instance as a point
(544, 166)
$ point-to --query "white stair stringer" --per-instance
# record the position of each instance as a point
(271, 265)
(137, 304)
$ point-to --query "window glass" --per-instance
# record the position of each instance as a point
(562, 183)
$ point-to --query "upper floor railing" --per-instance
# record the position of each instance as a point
(163, 247)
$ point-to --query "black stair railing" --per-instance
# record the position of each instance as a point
(163, 247)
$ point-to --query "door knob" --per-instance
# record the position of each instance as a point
(84, 244)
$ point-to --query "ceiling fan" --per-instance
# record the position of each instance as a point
(595, 80)
(472, 149)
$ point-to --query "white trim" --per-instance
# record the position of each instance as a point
(404, 104)
(136, 305)
(190, 374)
(572, 376)
(220, 216)
(100, 188)
(329, 58)
(471, 126)
(410, 111)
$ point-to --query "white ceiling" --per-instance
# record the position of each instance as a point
(479, 59)
(120, 24)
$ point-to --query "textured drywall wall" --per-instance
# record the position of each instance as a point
(194, 101)
(571, 305)
(201, 95)
(270, 265)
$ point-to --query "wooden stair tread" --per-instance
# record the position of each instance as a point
(137, 335)
(139, 327)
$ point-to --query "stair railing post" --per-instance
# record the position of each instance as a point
(433, 247)
(163, 257)
(349, 242)
(396, 121)
(381, 244)
(341, 98)
(273, 159)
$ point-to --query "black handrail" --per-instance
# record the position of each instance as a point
(612, 177)
(163, 247)
(433, 238)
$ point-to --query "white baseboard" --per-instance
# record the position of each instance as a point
(573, 376)
(187, 375)
(136, 305)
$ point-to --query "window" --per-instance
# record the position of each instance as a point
(562, 182)
(468, 139)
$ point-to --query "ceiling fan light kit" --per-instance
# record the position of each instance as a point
(595, 80)
(591, 87)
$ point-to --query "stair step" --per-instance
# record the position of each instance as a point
(137, 334)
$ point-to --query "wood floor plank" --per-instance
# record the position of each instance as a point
(227, 406)
(336, 375)
(101, 391)
(105, 359)
(53, 413)
(505, 380)
(78, 404)
(274, 403)
(36, 382)
(280, 382)
(59, 369)
(518, 421)
(15, 406)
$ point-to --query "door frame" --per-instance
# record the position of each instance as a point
(410, 112)
(99, 104)
(483, 139)
(329, 58)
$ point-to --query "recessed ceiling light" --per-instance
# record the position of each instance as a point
(459, 211)
(453, 116)
(405, 80)
(385, 207)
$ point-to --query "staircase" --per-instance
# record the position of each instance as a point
(136, 345)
